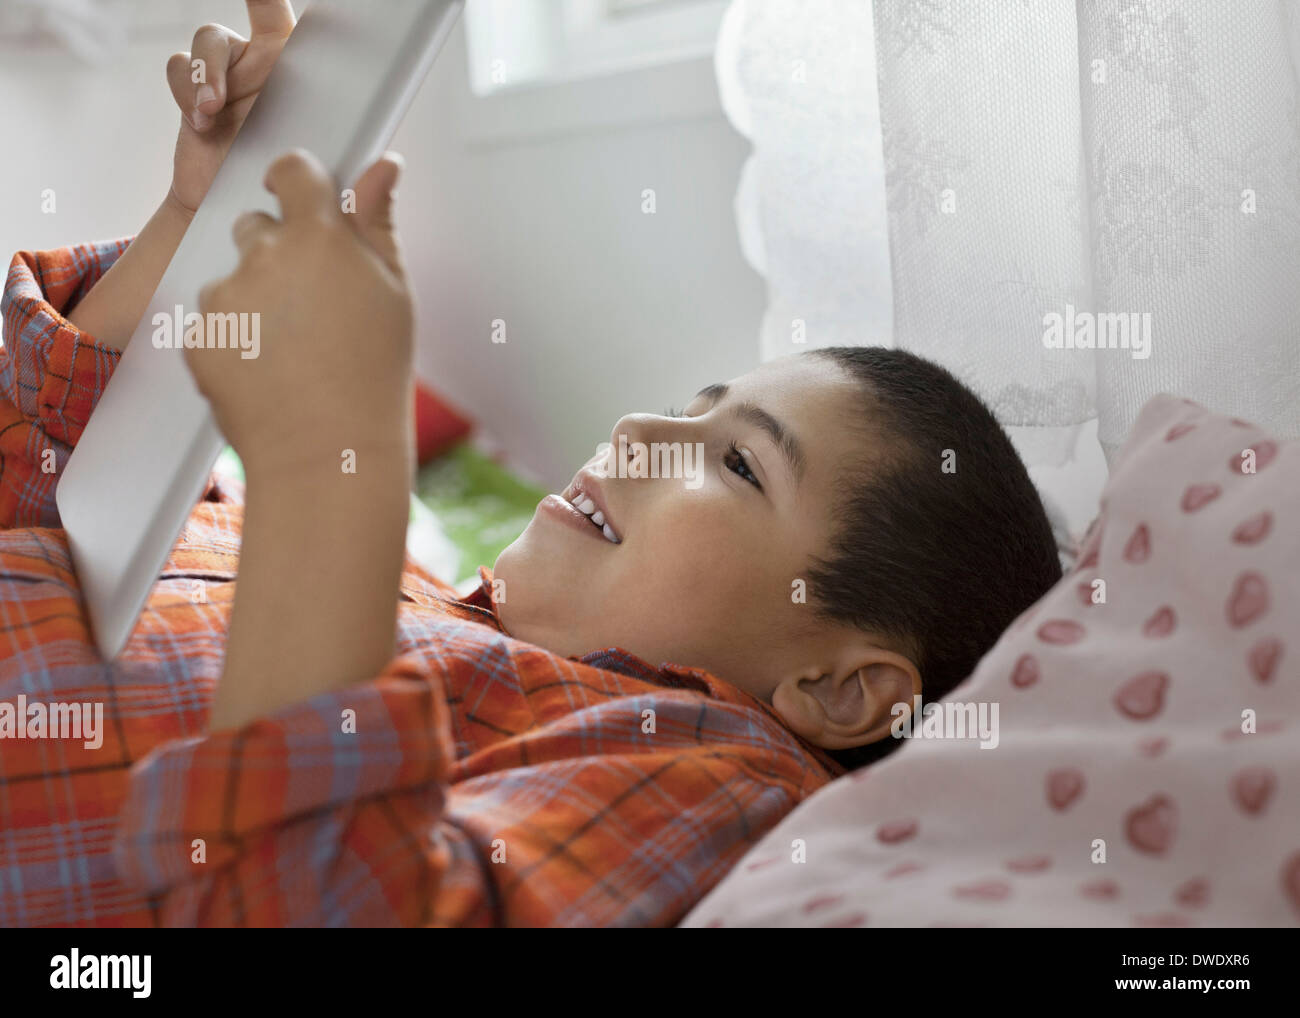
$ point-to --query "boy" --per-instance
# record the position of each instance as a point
(314, 751)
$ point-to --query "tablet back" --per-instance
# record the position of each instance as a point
(339, 89)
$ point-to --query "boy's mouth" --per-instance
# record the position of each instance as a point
(584, 495)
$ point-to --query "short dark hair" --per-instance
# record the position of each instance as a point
(939, 559)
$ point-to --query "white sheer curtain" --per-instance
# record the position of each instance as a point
(945, 176)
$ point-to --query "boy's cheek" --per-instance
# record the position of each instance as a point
(693, 580)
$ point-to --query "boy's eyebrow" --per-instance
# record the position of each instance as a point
(756, 415)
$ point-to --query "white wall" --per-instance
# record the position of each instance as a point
(523, 206)
(529, 210)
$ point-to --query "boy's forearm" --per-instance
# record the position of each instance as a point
(319, 571)
(114, 306)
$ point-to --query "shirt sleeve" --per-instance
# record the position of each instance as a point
(341, 811)
(325, 814)
(51, 374)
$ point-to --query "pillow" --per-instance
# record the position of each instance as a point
(1146, 770)
(437, 428)
(437, 425)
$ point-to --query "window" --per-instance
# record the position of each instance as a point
(518, 43)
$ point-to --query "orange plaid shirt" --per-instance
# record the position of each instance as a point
(479, 780)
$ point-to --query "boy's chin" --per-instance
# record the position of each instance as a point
(527, 582)
(528, 559)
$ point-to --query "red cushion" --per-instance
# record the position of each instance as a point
(437, 426)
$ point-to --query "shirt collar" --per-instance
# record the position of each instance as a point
(481, 596)
(616, 659)
(680, 677)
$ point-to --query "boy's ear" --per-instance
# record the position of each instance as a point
(852, 705)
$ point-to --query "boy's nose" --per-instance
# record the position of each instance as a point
(632, 427)
(647, 428)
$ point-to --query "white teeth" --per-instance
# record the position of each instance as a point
(587, 507)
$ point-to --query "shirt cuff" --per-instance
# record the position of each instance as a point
(55, 373)
(386, 736)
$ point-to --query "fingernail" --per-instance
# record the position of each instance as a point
(198, 120)
(205, 93)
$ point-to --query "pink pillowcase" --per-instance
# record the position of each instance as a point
(1160, 727)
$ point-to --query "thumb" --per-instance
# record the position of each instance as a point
(375, 198)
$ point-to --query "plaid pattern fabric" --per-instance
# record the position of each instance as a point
(478, 781)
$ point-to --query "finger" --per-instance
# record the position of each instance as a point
(303, 186)
(180, 78)
(214, 49)
(272, 22)
(270, 17)
(252, 228)
(376, 199)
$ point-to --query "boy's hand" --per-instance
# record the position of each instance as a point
(322, 549)
(234, 70)
(334, 369)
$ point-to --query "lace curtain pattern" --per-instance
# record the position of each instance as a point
(1071, 206)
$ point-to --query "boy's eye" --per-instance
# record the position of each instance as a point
(736, 463)
(734, 459)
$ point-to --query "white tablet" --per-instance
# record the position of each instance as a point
(338, 89)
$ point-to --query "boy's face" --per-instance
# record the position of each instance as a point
(707, 567)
